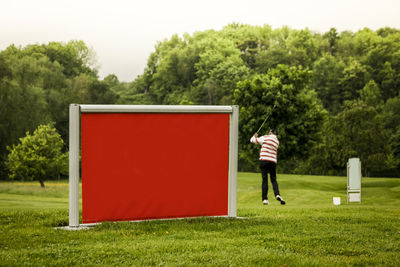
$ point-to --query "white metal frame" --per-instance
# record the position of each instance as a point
(75, 111)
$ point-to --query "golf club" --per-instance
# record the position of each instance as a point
(266, 118)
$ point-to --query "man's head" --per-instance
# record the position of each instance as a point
(273, 131)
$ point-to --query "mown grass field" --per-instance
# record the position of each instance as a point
(308, 231)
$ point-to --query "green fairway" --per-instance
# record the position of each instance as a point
(309, 230)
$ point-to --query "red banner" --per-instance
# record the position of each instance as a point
(149, 166)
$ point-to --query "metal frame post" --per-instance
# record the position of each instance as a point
(74, 145)
(233, 161)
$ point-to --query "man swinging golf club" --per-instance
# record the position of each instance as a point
(268, 160)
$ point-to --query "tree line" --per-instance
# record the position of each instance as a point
(336, 94)
(37, 84)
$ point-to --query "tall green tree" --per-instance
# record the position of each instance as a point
(354, 77)
(201, 69)
(169, 72)
(250, 40)
(75, 56)
(332, 36)
(218, 69)
(37, 84)
(297, 117)
(371, 94)
(275, 53)
(391, 119)
(327, 74)
(23, 103)
(389, 80)
(357, 131)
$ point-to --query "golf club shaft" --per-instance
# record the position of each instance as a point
(266, 118)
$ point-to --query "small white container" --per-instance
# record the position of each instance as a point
(336, 200)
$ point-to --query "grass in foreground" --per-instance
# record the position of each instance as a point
(309, 230)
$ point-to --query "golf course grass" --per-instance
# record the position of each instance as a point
(308, 231)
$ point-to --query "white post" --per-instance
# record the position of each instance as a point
(354, 180)
(233, 161)
(74, 129)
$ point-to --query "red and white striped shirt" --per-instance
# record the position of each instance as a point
(269, 147)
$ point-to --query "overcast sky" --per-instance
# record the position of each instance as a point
(124, 33)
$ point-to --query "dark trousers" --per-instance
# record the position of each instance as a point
(268, 167)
